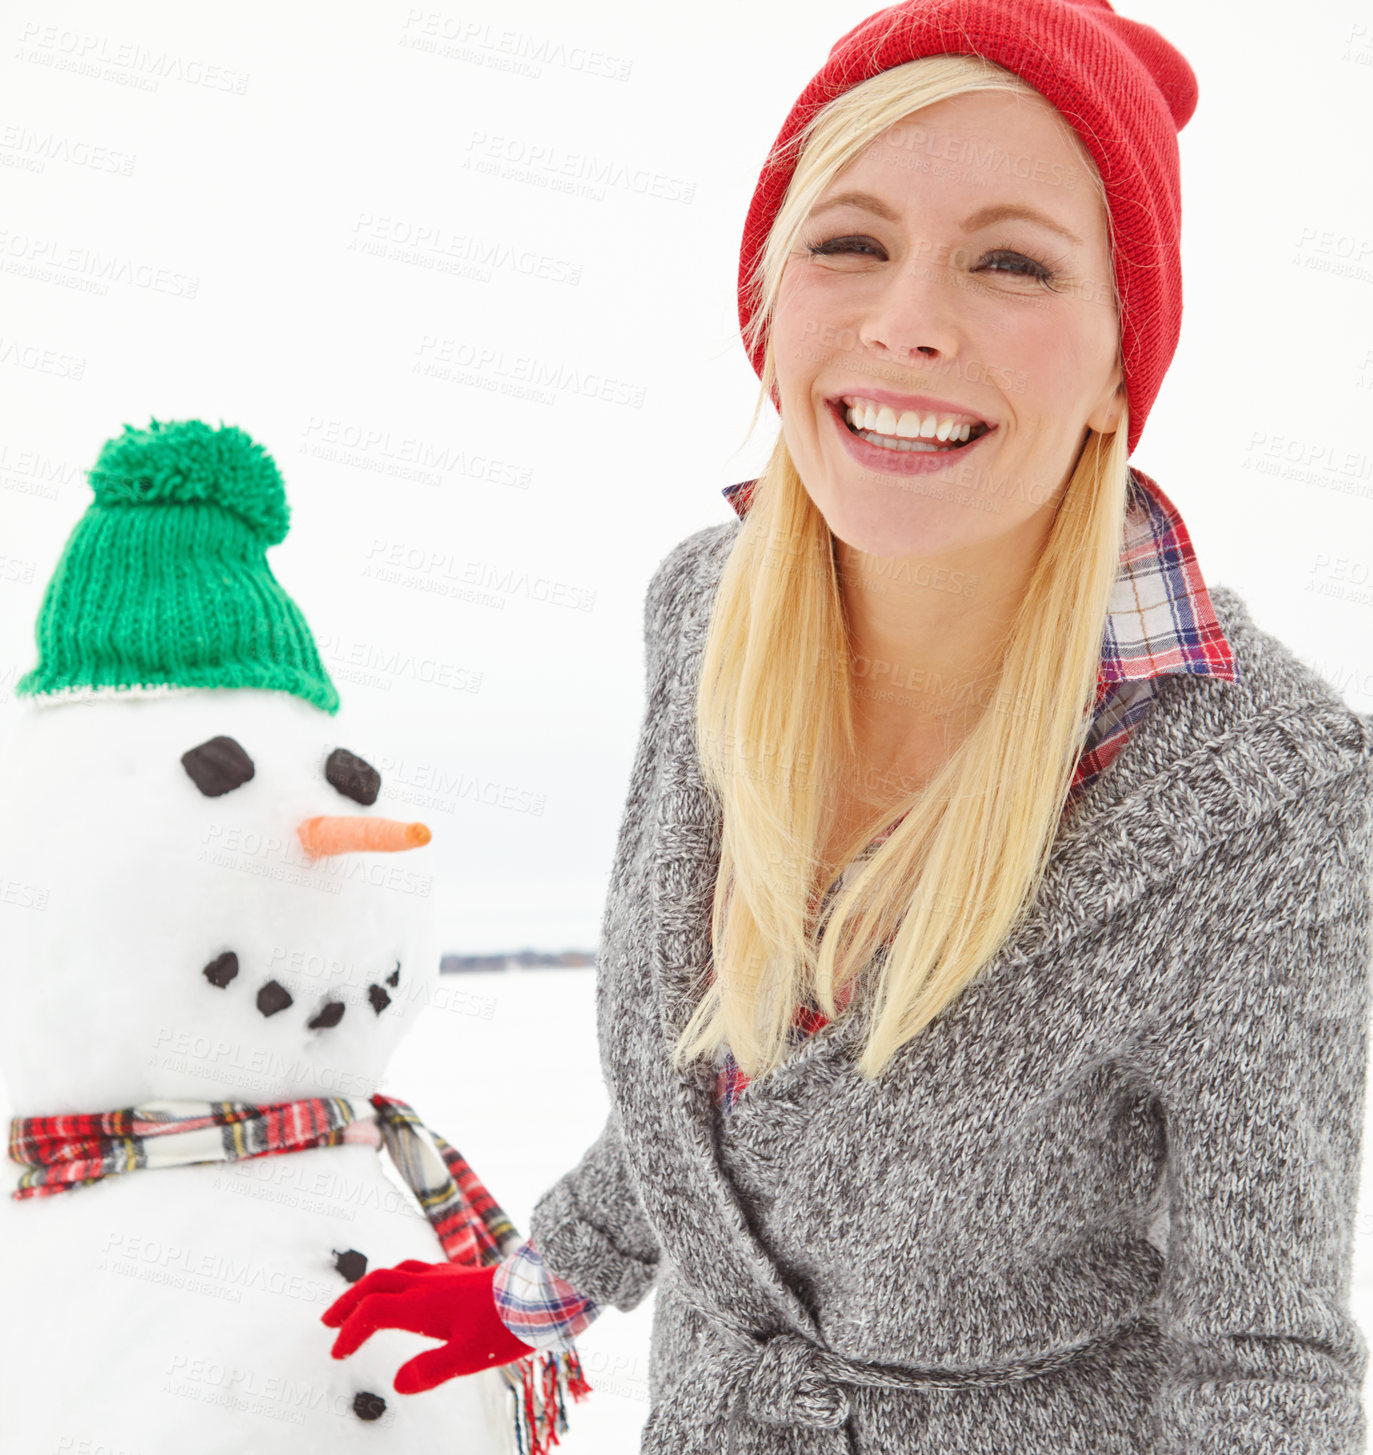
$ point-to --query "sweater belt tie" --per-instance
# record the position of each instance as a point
(738, 1388)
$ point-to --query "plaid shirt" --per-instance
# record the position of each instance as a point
(1160, 623)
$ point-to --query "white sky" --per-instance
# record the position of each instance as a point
(284, 201)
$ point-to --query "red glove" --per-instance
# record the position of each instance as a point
(449, 1301)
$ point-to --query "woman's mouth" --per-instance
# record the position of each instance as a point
(907, 443)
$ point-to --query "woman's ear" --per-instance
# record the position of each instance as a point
(1106, 416)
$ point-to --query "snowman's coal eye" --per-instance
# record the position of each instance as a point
(218, 766)
(354, 777)
(222, 969)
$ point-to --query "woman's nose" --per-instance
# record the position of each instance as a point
(912, 313)
(354, 834)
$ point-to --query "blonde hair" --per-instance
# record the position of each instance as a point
(774, 711)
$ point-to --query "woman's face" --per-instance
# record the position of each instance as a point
(927, 296)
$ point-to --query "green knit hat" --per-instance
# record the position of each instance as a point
(164, 581)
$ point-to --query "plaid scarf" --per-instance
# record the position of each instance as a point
(62, 1153)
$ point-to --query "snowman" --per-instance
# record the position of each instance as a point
(211, 942)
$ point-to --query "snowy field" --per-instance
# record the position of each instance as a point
(504, 1065)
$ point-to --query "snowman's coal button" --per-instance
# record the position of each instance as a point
(378, 997)
(367, 1406)
(354, 777)
(330, 1015)
(350, 1263)
(217, 766)
(222, 969)
(394, 977)
(273, 997)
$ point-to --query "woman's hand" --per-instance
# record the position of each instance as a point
(448, 1301)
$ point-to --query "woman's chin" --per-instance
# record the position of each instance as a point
(923, 528)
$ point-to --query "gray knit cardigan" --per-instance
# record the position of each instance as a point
(1103, 1203)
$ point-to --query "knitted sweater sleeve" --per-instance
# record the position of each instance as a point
(1260, 1068)
(592, 1231)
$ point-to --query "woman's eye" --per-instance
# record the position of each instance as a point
(999, 260)
(1030, 267)
(841, 245)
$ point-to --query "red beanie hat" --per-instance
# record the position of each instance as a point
(1123, 88)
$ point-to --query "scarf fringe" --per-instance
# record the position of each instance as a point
(540, 1408)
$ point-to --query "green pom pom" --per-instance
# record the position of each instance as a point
(174, 461)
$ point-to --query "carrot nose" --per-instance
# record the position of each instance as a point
(349, 835)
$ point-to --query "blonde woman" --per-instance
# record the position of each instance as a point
(982, 987)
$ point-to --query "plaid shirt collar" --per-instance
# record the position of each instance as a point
(1161, 620)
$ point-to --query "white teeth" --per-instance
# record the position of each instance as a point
(910, 424)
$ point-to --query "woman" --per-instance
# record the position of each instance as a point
(1055, 1134)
